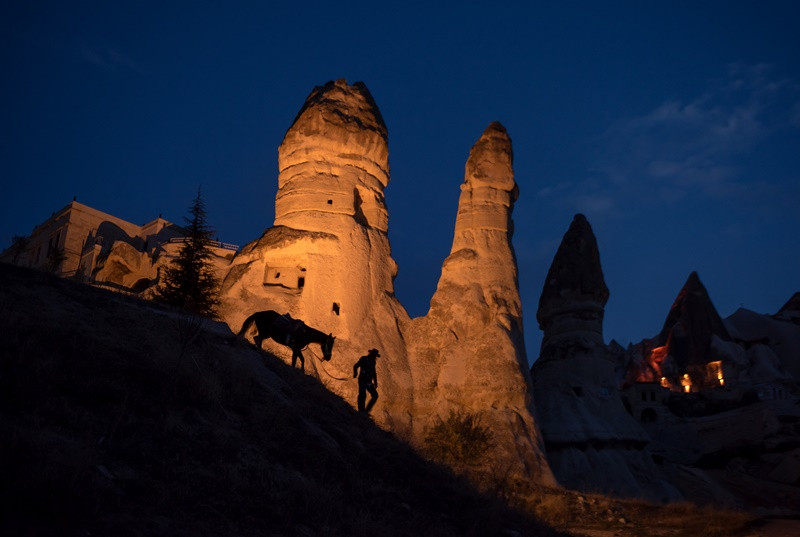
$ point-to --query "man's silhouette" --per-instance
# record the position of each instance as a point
(367, 380)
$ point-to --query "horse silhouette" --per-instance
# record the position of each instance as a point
(292, 333)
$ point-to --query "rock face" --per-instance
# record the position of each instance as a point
(327, 259)
(468, 354)
(690, 327)
(772, 345)
(592, 443)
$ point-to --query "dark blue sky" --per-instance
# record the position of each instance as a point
(674, 126)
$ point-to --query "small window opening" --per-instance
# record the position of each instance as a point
(652, 396)
(335, 308)
(330, 202)
(277, 275)
(301, 282)
(644, 396)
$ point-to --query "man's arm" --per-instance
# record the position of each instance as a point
(355, 368)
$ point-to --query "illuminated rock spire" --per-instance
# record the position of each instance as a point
(468, 352)
(327, 259)
(334, 161)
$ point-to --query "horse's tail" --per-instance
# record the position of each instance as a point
(247, 322)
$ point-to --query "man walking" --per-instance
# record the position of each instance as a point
(367, 380)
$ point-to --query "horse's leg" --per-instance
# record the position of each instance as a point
(258, 340)
(297, 354)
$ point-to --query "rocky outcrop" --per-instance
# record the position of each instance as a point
(691, 324)
(592, 442)
(791, 310)
(327, 259)
(772, 345)
(468, 354)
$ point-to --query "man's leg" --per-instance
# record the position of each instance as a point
(362, 396)
(373, 397)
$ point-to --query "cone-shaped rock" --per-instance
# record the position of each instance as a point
(327, 258)
(574, 292)
(691, 323)
(468, 353)
(334, 161)
(592, 442)
(791, 310)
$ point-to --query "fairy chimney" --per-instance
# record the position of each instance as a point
(468, 354)
(327, 259)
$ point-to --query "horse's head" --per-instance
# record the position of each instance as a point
(327, 347)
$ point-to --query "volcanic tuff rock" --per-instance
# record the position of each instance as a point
(327, 261)
(327, 258)
(468, 353)
(592, 442)
(692, 322)
(772, 344)
(693, 336)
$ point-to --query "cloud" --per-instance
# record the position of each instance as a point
(697, 146)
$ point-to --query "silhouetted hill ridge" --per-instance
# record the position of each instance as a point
(120, 417)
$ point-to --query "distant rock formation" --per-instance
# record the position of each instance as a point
(592, 442)
(696, 350)
(791, 310)
(772, 347)
(468, 353)
(692, 336)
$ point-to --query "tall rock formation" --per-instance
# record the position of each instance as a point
(327, 258)
(468, 354)
(327, 261)
(592, 443)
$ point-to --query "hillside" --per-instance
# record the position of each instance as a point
(122, 418)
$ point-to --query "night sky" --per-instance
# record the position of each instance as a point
(673, 126)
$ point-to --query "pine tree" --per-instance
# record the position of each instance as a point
(189, 281)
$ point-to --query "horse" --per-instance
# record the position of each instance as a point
(292, 333)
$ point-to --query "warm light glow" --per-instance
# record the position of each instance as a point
(686, 382)
(664, 382)
(653, 371)
(714, 373)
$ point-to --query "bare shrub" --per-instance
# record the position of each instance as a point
(458, 440)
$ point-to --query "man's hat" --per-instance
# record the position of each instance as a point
(375, 352)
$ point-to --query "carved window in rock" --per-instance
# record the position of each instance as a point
(286, 277)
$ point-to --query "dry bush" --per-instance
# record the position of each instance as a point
(458, 440)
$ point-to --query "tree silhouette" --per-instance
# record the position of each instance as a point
(55, 256)
(19, 243)
(189, 281)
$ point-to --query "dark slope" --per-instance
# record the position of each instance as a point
(121, 418)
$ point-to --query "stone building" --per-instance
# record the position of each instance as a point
(82, 234)
(82, 242)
